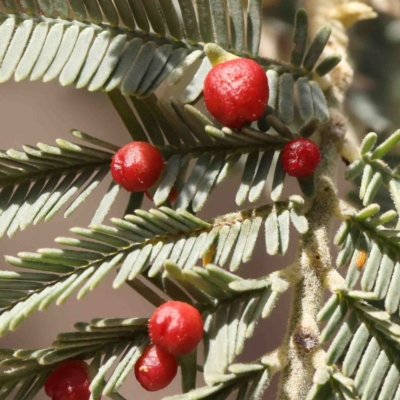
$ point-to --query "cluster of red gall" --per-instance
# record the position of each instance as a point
(175, 329)
(236, 92)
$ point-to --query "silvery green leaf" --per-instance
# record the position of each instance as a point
(286, 98)
(272, 233)
(260, 385)
(279, 177)
(32, 52)
(371, 267)
(328, 64)
(306, 106)
(72, 67)
(207, 183)
(220, 23)
(247, 177)
(189, 244)
(354, 169)
(237, 24)
(390, 384)
(13, 206)
(320, 103)
(258, 311)
(300, 37)
(367, 363)
(240, 245)
(342, 233)
(106, 203)
(328, 309)
(254, 25)
(261, 176)
(126, 268)
(334, 322)
(189, 20)
(230, 243)
(15, 50)
(230, 163)
(197, 281)
(273, 83)
(383, 279)
(347, 251)
(129, 54)
(299, 221)
(188, 364)
(222, 236)
(124, 368)
(245, 319)
(386, 146)
(138, 68)
(159, 63)
(368, 212)
(234, 316)
(190, 188)
(178, 72)
(355, 351)
(283, 223)
(393, 295)
(317, 47)
(196, 250)
(342, 339)
(366, 180)
(162, 256)
(195, 87)
(368, 143)
(372, 188)
(155, 17)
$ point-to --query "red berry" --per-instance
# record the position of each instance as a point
(236, 92)
(136, 166)
(69, 381)
(176, 327)
(173, 195)
(300, 157)
(155, 370)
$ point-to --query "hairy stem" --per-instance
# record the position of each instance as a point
(313, 263)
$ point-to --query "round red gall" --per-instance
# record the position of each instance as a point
(155, 369)
(176, 327)
(69, 381)
(136, 166)
(236, 92)
(300, 157)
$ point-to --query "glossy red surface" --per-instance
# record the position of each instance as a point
(236, 92)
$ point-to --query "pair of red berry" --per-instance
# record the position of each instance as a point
(175, 328)
(137, 166)
(236, 92)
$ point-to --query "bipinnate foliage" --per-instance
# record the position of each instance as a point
(128, 48)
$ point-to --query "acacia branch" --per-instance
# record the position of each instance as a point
(313, 263)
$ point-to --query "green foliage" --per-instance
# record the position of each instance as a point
(140, 243)
(110, 343)
(128, 48)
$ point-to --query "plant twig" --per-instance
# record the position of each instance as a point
(313, 263)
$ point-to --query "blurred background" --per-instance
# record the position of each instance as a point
(37, 112)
